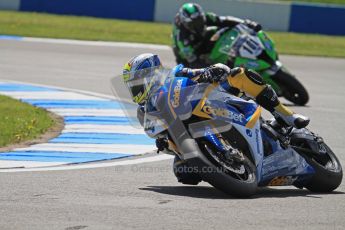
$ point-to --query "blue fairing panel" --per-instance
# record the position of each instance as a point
(284, 163)
(181, 96)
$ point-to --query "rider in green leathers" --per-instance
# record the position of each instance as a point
(192, 31)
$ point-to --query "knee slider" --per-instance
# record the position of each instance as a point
(268, 98)
(254, 77)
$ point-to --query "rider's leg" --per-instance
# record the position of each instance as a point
(252, 83)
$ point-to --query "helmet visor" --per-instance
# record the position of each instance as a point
(196, 24)
(141, 82)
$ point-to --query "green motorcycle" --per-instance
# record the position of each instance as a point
(241, 46)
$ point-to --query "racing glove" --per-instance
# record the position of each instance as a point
(253, 25)
(215, 73)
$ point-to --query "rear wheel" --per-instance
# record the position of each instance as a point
(291, 87)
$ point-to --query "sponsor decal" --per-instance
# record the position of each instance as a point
(252, 64)
(220, 112)
(257, 140)
(282, 181)
(268, 45)
(249, 133)
(177, 92)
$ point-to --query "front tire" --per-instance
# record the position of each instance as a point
(184, 173)
(291, 87)
(238, 182)
(229, 184)
(328, 171)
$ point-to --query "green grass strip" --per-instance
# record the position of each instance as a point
(20, 121)
(87, 28)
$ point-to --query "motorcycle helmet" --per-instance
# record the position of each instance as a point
(137, 74)
(193, 18)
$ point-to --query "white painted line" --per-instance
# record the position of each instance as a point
(89, 112)
(100, 95)
(86, 128)
(27, 164)
(91, 148)
(56, 95)
(96, 165)
(96, 43)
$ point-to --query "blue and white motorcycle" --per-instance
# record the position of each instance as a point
(224, 140)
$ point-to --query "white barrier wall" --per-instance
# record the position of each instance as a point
(273, 16)
(9, 4)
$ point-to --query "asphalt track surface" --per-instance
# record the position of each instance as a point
(147, 195)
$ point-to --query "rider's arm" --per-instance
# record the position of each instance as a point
(230, 21)
(221, 21)
(190, 73)
(213, 73)
(234, 81)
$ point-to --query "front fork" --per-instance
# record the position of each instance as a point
(230, 153)
(211, 137)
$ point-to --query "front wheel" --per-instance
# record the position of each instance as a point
(239, 182)
(291, 87)
(328, 172)
(237, 178)
(184, 172)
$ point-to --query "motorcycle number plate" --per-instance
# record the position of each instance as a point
(251, 47)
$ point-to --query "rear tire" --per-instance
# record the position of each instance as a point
(291, 87)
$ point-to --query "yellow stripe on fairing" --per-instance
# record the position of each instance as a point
(254, 118)
(198, 109)
(169, 102)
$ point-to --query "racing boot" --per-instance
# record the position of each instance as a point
(268, 99)
(286, 116)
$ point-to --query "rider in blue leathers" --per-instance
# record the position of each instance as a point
(142, 67)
